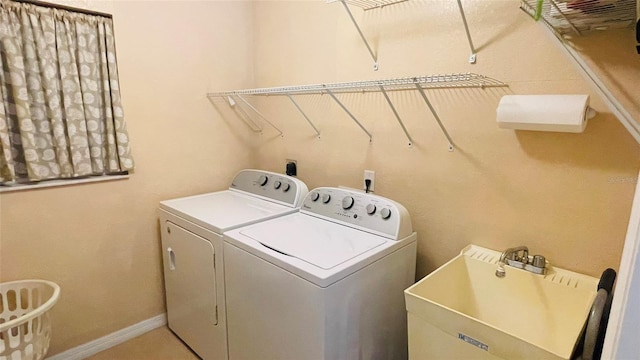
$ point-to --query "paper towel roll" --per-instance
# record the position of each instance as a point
(563, 113)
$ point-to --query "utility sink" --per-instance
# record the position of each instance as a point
(464, 311)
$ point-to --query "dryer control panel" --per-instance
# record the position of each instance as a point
(367, 212)
(273, 186)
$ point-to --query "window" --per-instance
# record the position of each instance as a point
(61, 115)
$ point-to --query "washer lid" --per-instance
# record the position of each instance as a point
(224, 210)
(320, 243)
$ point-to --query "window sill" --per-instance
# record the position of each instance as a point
(59, 183)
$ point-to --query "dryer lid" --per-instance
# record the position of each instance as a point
(318, 242)
(224, 210)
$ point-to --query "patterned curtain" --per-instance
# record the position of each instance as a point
(60, 109)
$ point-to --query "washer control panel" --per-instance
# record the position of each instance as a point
(356, 209)
(274, 186)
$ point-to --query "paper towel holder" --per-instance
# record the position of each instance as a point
(555, 113)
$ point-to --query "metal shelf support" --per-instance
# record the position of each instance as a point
(304, 115)
(259, 114)
(472, 58)
(244, 116)
(349, 113)
(435, 115)
(376, 4)
(364, 39)
(393, 108)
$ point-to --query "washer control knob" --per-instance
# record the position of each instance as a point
(286, 187)
(326, 198)
(385, 213)
(347, 202)
(277, 184)
(371, 209)
(315, 196)
(263, 180)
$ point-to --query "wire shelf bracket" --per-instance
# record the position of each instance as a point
(349, 113)
(260, 114)
(378, 4)
(364, 39)
(435, 115)
(472, 57)
(245, 117)
(304, 115)
(395, 112)
(418, 83)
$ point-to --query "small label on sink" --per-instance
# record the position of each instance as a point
(474, 342)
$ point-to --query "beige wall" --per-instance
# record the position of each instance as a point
(100, 242)
(613, 58)
(566, 196)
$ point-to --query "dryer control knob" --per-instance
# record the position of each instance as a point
(277, 184)
(326, 198)
(371, 209)
(347, 202)
(286, 187)
(263, 180)
(315, 196)
(385, 213)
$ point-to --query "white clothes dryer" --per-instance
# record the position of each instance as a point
(191, 229)
(324, 283)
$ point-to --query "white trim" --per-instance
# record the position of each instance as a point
(63, 182)
(93, 347)
(628, 264)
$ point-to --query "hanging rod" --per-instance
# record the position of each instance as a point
(64, 7)
(419, 83)
(377, 4)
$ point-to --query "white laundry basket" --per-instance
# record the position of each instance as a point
(25, 326)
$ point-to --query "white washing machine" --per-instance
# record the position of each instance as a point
(324, 283)
(192, 230)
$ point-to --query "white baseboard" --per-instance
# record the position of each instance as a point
(93, 347)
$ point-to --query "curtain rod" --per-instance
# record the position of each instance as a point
(64, 7)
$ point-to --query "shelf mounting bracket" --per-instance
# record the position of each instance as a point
(472, 58)
(435, 114)
(364, 39)
(393, 108)
(348, 112)
(244, 116)
(304, 115)
(259, 114)
(239, 112)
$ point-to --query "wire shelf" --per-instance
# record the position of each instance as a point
(581, 17)
(462, 80)
(369, 4)
(417, 83)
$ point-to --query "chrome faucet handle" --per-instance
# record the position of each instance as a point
(525, 257)
(539, 261)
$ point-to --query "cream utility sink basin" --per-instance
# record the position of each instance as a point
(464, 311)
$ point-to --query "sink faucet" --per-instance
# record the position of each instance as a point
(511, 253)
(536, 265)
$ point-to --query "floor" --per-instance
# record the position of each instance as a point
(158, 344)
